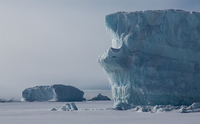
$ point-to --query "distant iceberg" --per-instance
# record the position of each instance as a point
(154, 58)
(55, 92)
(100, 97)
(5, 100)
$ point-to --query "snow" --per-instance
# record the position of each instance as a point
(55, 92)
(154, 58)
(89, 112)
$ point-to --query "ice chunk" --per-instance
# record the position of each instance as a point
(144, 109)
(73, 106)
(195, 107)
(66, 107)
(154, 58)
(122, 106)
(58, 92)
(53, 109)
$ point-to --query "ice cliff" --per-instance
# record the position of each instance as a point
(154, 58)
(55, 92)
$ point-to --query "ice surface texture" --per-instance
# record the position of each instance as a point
(154, 58)
(58, 92)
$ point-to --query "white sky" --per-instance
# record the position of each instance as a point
(44, 42)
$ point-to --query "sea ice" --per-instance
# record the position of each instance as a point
(154, 58)
(56, 92)
(37, 113)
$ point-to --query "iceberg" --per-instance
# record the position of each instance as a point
(56, 92)
(100, 97)
(5, 100)
(154, 58)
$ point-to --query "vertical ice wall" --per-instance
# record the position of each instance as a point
(154, 58)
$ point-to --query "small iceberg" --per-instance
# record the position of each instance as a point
(100, 97)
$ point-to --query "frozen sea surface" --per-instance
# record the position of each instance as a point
(89, 113)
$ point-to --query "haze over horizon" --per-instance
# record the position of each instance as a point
(45, 42)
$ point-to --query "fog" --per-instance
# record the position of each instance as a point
(44, 42)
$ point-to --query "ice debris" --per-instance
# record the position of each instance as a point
(66, 107)
(195, 107)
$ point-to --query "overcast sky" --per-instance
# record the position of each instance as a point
(44, 42)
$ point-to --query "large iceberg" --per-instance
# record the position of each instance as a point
(154, 58)
(56, 92)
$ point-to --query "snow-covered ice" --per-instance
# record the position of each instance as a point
(89, 112)
(154, 58)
